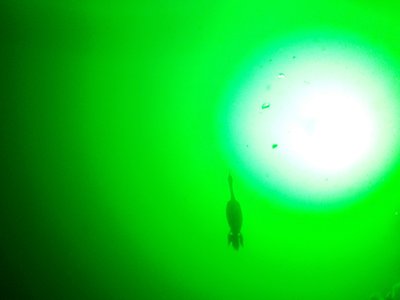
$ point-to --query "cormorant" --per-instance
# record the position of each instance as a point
(234, 216)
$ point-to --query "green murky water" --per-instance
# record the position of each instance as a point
(115, 179)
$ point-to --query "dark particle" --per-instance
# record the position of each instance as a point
(281, 75)
(265, 105)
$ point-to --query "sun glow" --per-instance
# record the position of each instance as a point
(318, 125)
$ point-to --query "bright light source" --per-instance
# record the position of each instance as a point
(329, 127)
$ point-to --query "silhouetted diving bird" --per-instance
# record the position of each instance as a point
(234, 215)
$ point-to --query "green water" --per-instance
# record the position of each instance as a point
(115, 182)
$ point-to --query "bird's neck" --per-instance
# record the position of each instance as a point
(231, 190)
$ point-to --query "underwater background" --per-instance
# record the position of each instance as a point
(115, 168)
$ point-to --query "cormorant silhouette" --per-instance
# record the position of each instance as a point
(235, 218)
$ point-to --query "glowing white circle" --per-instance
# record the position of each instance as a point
(318, 125)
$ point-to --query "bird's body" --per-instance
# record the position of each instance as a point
(235, 219)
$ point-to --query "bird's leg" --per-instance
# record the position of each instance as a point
(229, 238)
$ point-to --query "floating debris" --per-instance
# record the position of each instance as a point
(268, 87)
(281, 75)
(274, 146)
(294, 56)
(265, 105)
